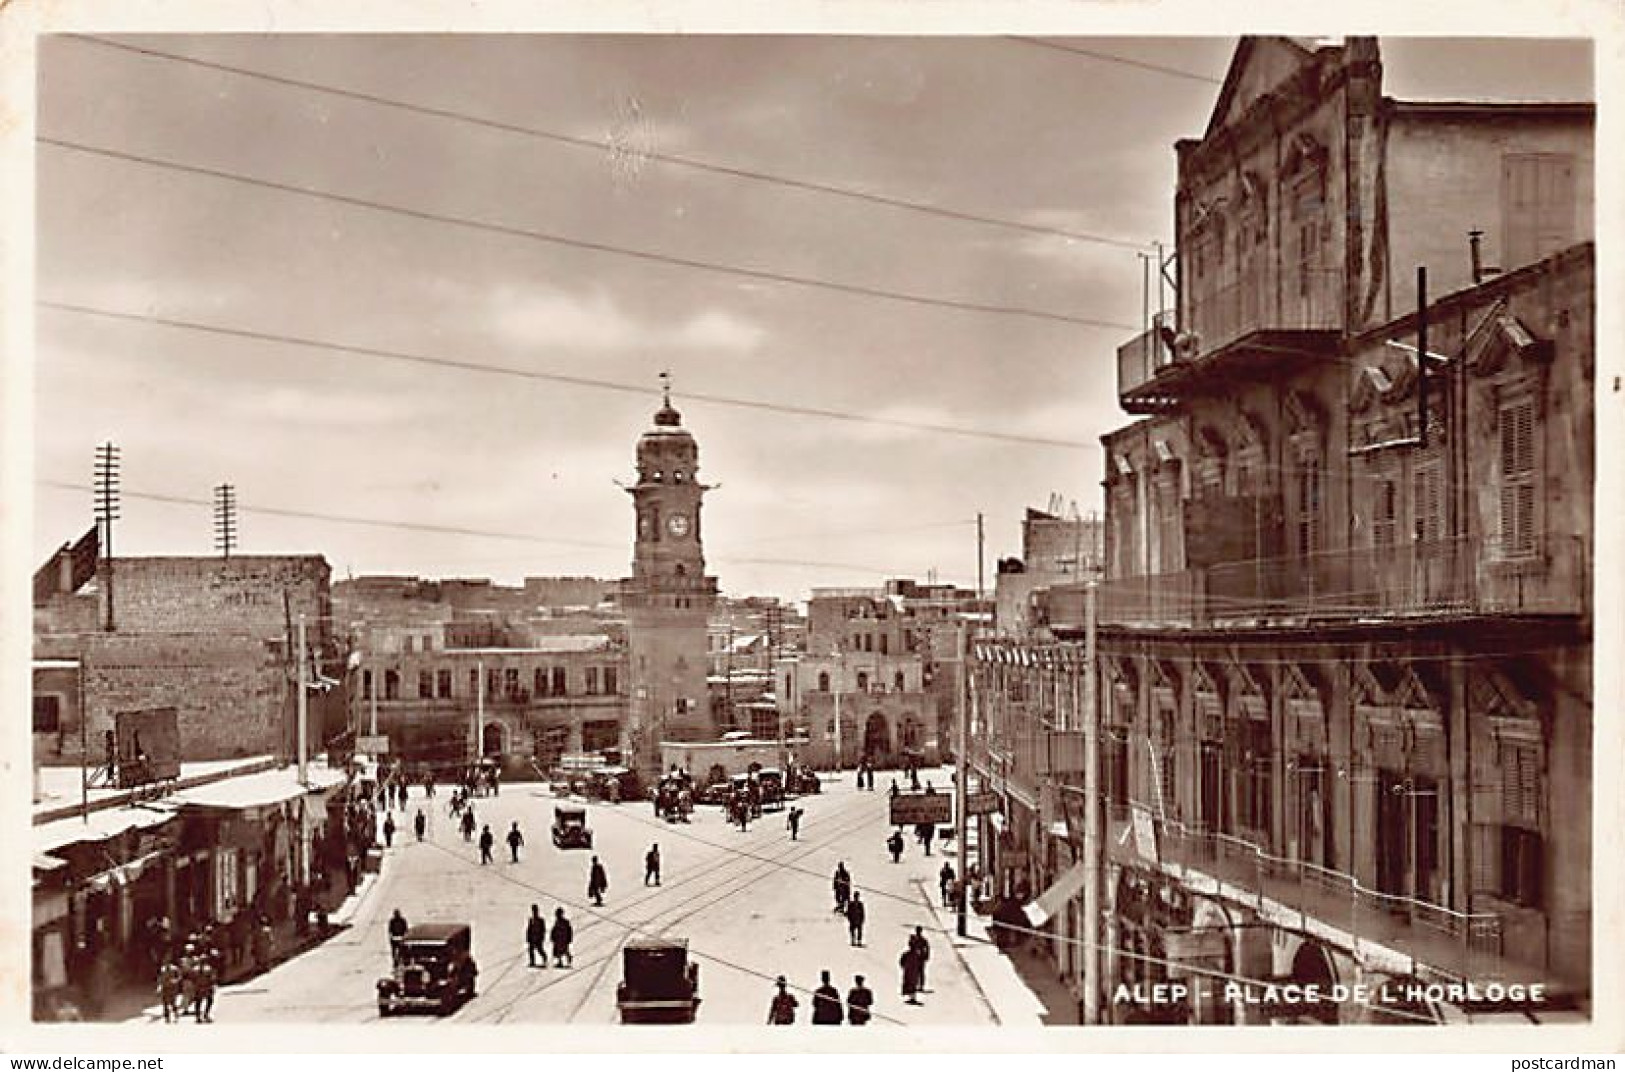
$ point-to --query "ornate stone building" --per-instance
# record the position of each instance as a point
(1345, 636)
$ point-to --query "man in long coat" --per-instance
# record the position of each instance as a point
(597, 882)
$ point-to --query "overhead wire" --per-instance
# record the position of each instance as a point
(577, 141)
(457, 364)
(581, 244)
(1107, 57)
(446, 530)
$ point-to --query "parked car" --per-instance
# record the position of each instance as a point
(771, 782)
(717, 793)
(659, 984)
(435, 971)
(570, 828)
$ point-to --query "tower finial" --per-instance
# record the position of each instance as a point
(665, 387)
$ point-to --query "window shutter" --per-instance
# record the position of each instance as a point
(1520, 785)
(1537, 206)
(1486, 847)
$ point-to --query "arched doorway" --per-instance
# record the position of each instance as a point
(877, 738)
(492, 740)
(1312, 966)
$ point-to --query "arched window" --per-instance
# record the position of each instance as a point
(823, 682)
(863, 681)
(898, 681)
(392, 685)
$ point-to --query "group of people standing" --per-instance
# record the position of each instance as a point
(537, 937)
(827, 1007)
(187, 984)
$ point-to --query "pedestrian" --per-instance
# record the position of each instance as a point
(794, 823)
(894, 789)
(914, 779)
(926, 831)
(855, 915)
(536, 936)
(945, 882)
(859, 1001)
(563, 932)
(420, 823)
(783, 1007)
(397, 935)
(169, 989)
(895, 845)
(515, 839)
(826, 1003)
(843, 886)
(487, 841)
(189, 964)
(651, 866)
(264, 942)
(207, 978)
(597, 883)
(922, 950)
(468, 823)
(389, 830)
(910, 963)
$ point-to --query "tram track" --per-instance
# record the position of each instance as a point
(741, 871)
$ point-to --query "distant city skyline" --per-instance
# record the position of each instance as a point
(410, 296)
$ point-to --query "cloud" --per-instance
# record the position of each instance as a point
(554, 319)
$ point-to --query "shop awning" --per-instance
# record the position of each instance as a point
(1052, 900)
(124, 874)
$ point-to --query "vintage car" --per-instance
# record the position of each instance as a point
(803, 782)
(614, 785)
(659, 984)
(770, 780)
(716, 793)
(434, 970)
(570, 828)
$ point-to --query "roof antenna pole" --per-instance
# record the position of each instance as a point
(1422, 358)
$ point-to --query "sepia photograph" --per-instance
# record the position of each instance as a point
(891, 530)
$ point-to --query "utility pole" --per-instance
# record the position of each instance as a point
(962, 779)
(980, 540)
(1094, 844)
(303, 705)
(225, 519)
(107, 502)
(840, 683)
(479, 712)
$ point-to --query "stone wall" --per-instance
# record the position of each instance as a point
(233, 693)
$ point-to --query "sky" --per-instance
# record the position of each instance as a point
(585, 276)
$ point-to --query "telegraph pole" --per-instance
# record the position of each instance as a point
(107, 502)
(479, 713)
(840, 683)
(980, 540)
(304, 705)
(961, 780)
(1094, 845)
(225, 519)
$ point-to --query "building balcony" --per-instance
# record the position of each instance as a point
(1249, 327)
(1447, 578)
(1422, 936)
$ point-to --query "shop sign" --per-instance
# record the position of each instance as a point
(1145, 834)
(911, 809)
(981, 803)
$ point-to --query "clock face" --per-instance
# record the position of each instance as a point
(678, 525)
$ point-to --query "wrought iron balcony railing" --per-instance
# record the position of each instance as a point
(1301, 299)
(1464, 944)
(1461, 576)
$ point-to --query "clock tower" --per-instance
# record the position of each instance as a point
(668, 598)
